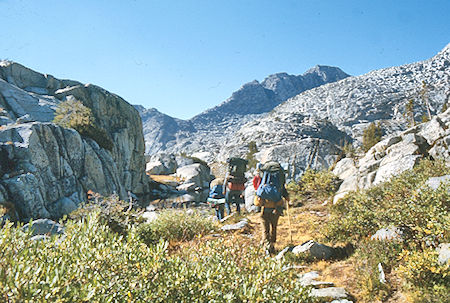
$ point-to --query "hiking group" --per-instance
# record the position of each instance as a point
(271, 195)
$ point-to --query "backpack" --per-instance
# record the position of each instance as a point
(216, 192)
(271, 183)
(237, 167)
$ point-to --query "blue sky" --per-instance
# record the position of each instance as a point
(183, 57)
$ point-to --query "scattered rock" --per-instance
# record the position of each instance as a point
(238, 226)
(435, 182)
(44, 227)
(444, 253)
(317, 250)
(309, 279)
(329, 292)
(382, 276)
(39, 238)
(388, 234)
(150, 216)
(151, 207)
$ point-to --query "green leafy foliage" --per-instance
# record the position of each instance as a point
(118, 215)
(348, 150)
(93, 264)
(421, 267)
(403, 202)
(407, 203)
(176, 225)
(313, 183)
(73, 114)
(371, 136)
(367, 257)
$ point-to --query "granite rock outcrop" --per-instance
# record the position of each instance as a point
(46, 170)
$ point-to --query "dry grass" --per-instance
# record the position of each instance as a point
(165, 179)
(306, 222)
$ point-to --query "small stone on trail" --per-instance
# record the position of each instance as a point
(240, 225)
(329, 292)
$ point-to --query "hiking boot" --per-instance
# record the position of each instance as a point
(271, 248)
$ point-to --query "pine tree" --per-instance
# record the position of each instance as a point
(409, 112)
(371, 136)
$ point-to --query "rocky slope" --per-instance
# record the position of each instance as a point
(206, 131)
(46, 169)
(396, 154)
(340, 111)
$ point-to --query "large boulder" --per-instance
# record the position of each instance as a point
(162, 164)
(47, 170)
(44, 227)
(395, 154)
(194, 176)
(249, 197)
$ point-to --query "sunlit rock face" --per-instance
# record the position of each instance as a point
(396, 154)
(46, 170)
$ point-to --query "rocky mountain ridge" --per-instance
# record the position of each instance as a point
(307, 130)
(206, 131)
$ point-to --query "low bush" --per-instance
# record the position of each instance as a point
(423, 271)
(117, 214)
(318, 184)
(93, 264)
(404, 202)
(419, 211)
(366, 259)
(177, 226)
(228, 271)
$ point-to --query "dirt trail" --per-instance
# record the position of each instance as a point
(305, 225)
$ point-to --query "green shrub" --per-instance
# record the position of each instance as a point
(115, 213)
(423, 215)
(175, 225)
(228, 271)
(73, 114)
(422, 270)
(317, 184)
(403, 202)
(93, 264)
(367, 257)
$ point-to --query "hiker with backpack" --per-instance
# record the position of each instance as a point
(216, 197)
(234, 183)
(271, 196)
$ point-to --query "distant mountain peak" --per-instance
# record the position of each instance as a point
(252, 99)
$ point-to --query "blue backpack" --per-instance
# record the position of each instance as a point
(270, 187)
(217, 192)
